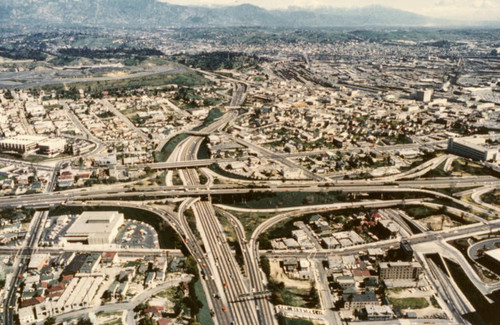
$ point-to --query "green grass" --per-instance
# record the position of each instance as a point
(204, 314)
(437, 172)
(212, 115)
(132, 263)
(251, 220)
(167, 150)
(116, 321)
(420, 212)
(295, 297)
(270, 200)
(452, 190)
(492, 197)
(228, 228)
(434, 302)
(114, 313)
(187, 78)
(167, 293)
(412, 303)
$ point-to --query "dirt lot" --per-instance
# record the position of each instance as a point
(278, 274)
(438, 222)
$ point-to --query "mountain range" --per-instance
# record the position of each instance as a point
(153, 13)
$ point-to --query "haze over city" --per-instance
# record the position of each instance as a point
(466, 10)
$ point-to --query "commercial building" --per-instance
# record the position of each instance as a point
(360, 300)
(21, 144)
(95, 228)
(38, 261)
(472, 149)
(378, 313)
(424, 95)
(400, 270)
(52, 146)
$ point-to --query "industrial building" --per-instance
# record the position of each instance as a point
(471, 148)
(52, 146)
(95, 228)
(29, 143)
(21, 144)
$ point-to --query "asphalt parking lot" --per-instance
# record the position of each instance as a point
(135, 234)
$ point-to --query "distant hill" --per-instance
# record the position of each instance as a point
(152, 13)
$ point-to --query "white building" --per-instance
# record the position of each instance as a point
(21, 143)
(95, 228)
(52, 146)
(26, 315)
(380, 313)
(472, 148)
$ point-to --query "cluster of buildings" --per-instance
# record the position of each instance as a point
(21, 179)
(324, 232)
(357, 282)
(36, 124)
(73, 281)
(54, 285)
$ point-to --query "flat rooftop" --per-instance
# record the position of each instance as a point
(494, 254)
(94, 222)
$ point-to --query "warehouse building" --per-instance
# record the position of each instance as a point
(52, 146)
(95, 228)
(21, 144)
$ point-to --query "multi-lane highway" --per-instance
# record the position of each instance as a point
(42, 200)
(239, 301)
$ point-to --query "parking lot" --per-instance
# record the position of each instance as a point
(135, 234)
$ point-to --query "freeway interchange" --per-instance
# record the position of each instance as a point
(233, 297)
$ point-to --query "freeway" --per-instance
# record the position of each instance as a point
(476, 197)
(253, 270)
(230, 296)
(212, 282)
(230, 283)
(43, 200)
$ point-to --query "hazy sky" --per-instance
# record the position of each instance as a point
(449, 9)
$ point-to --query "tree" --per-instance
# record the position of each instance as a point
(147, 321)
(49, 321)
(140, 307)
(313, 296)
(147, 170)
(266, 266)
(277, 298)
(191, 266)
(84, 321)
